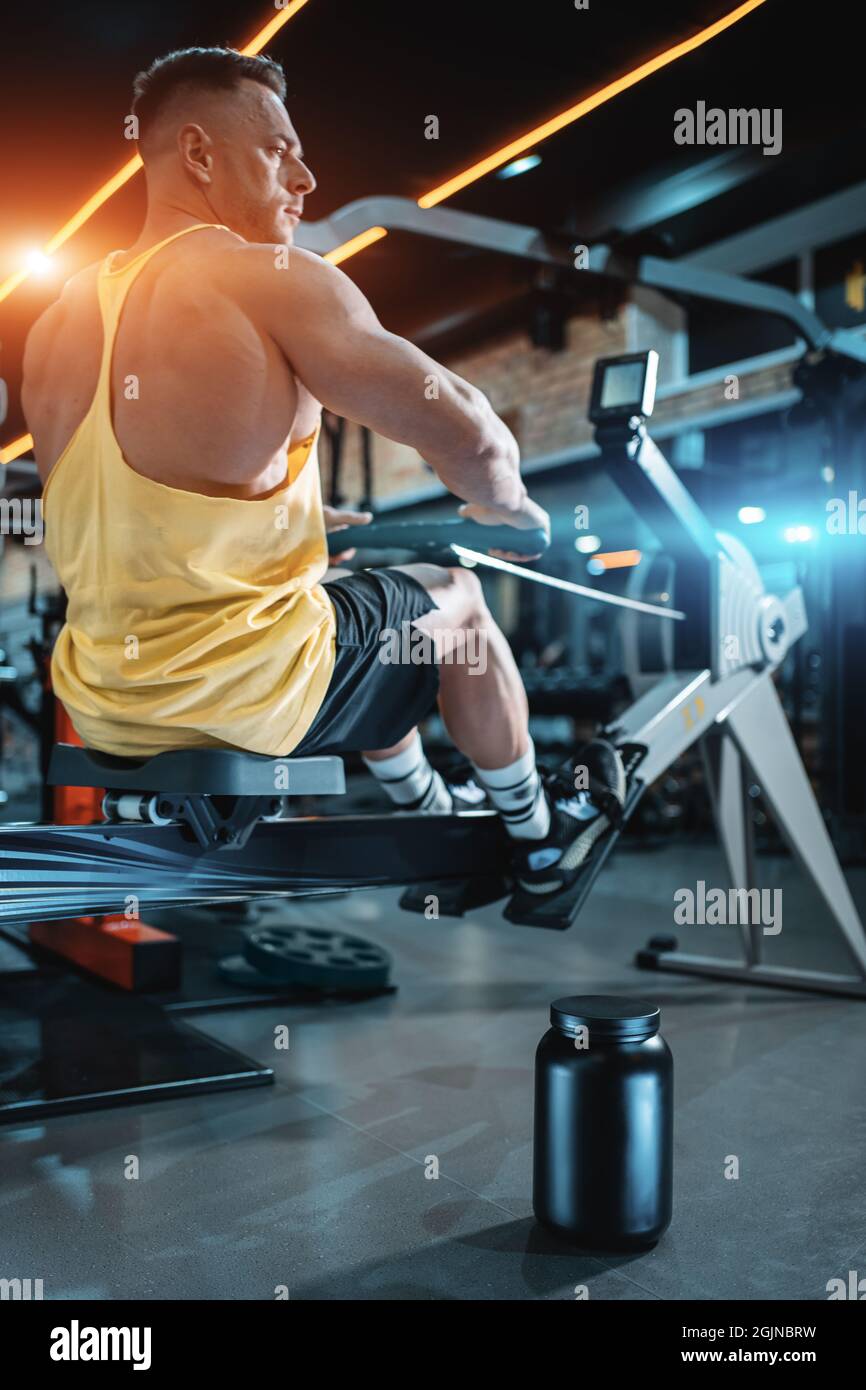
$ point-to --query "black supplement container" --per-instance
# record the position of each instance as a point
(603, 1129)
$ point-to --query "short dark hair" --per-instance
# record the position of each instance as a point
(205, 69)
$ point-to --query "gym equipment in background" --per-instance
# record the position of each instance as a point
(315, 959)
(601, 261)
(70, 1045)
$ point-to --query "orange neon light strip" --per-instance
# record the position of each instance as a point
(131, 168)
(582, 108)
(542, 132)
(84, 214)
(617, 559)
(16, 448)
(357, 243)
(273, 26)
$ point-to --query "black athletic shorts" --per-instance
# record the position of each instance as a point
(371, 701)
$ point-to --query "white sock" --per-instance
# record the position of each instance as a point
(410, 781)
(518, 796)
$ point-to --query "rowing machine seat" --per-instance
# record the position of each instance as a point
(205, 771)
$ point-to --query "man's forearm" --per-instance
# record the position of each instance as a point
(485, 467)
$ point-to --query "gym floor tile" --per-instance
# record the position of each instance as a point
(286, 1197)
(319, 1183)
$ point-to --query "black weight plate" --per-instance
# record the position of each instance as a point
(317, 958)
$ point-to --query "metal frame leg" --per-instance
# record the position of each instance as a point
(730, 803)
(764, 738)
(753, 733)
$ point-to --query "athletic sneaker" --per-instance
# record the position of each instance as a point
(578, 819)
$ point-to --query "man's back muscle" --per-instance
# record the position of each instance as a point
(203, 399)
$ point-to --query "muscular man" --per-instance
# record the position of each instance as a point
(174, 393)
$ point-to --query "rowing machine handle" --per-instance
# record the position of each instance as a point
(432, 537)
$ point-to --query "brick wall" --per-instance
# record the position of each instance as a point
(769, 381)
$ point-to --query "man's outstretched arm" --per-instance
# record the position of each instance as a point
(341, 352)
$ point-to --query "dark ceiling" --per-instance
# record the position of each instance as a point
(363, 77)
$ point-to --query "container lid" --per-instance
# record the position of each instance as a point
(606, 1016)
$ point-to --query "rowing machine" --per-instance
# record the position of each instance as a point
(172, 838)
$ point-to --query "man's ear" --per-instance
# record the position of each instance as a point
(195, 148)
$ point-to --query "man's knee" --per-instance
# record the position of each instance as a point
(469, 582)
(461, 624)
(457, 593)
(466, 594)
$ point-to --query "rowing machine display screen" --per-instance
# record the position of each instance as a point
(624, 386)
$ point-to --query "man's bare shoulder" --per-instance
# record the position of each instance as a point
(77, 290)
(267, 269)
(82, 279)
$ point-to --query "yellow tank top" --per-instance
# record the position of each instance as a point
(193, 621)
